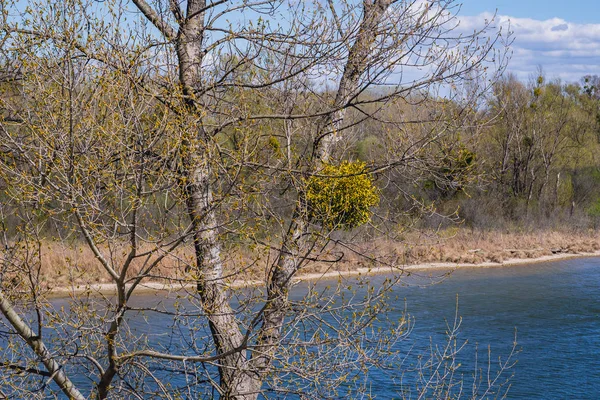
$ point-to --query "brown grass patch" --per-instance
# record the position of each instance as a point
(63, 265)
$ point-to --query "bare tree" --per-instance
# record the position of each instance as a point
(120, 127)
(538, 126)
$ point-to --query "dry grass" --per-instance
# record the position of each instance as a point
(63, 265)
(462, 246)
(465, 246)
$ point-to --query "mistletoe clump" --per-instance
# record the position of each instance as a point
(341, 196)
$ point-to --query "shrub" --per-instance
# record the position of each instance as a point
(341, 196)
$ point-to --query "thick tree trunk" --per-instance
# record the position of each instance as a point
(288, 262)
(235, 383)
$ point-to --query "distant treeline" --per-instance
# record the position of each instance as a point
(527, 156)
(522, 155)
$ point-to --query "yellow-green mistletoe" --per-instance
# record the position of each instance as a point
(341, 196)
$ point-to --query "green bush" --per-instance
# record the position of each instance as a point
(594, 209)
(341, 196)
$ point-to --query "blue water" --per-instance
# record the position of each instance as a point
(554, 309)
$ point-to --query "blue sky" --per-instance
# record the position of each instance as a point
(576, 11)
(563, 37)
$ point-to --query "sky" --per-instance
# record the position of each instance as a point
(561, 36)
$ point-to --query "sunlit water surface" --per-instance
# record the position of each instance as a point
(554, 308)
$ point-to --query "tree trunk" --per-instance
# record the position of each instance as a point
(293, 251)
(235, 383)
(329, 131)
(556, 191)
(54, 369)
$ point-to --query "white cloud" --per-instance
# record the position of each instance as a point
(564, 49)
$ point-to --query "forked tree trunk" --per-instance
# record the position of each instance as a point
(240, 378)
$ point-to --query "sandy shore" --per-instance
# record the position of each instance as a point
(109, 288)
(444, 266)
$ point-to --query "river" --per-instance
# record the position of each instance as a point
(554, 308)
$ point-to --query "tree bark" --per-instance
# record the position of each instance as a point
(329, 131)
(226, 333)
(293, 250)
(54, 369)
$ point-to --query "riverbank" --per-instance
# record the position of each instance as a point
(71, 268)
(429, 253)
(442, 266)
